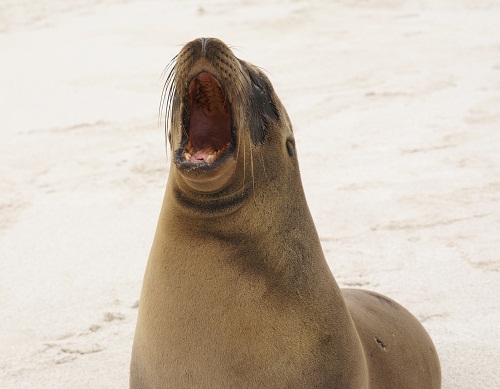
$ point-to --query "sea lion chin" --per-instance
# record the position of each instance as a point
(237, 292)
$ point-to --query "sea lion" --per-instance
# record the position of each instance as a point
(237, 292)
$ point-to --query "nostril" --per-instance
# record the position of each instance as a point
(204, 43)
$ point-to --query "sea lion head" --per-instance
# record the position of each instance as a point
(228, 130)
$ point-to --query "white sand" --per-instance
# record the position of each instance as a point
(396, 107)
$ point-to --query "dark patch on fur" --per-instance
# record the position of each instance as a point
(208, 204)
(262, 107)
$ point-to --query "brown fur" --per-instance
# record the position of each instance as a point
(237, 292)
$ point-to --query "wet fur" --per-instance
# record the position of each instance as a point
(237, 292)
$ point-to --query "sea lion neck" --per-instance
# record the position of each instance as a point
(250, 222)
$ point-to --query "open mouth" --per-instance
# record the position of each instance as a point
(209, 121)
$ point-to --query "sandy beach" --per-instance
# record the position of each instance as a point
(396, 113)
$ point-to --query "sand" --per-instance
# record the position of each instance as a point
(396, 111)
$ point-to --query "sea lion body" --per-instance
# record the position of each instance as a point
(237, 292)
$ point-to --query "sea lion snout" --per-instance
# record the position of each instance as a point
(221, 110)
(199, 92)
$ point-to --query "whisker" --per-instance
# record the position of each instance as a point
(168, 66)
(166, 99)
(171, 66)
(264, 70)
(170, 86)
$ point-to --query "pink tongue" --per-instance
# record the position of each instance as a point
(207, 155)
